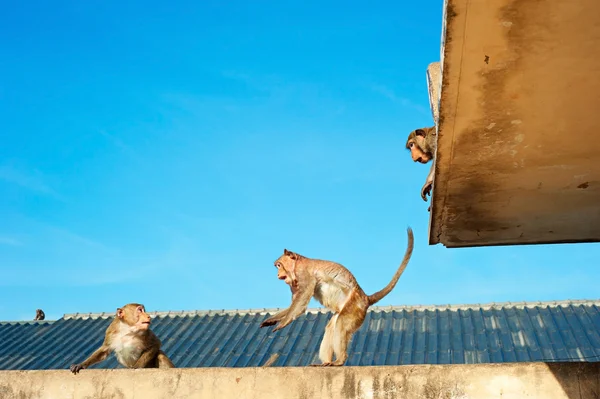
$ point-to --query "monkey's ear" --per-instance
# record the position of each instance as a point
(290, 254)
(420, 132)
(120, 313)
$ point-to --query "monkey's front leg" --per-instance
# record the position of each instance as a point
(164, 362)
(276, 318)
(148, 357)
(300, 299)
(99, 355)
(426, 190)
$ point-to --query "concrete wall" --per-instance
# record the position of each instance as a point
(485, 381)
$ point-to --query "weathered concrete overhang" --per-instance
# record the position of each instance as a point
(518, 158)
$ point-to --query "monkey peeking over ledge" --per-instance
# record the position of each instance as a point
(130, 338)
(334, 287)
(422, 144)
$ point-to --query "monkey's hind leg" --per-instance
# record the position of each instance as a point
(164, 362)
(326, 348)
(340, 346)
(349, 320)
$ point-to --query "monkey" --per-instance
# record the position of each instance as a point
(422, 144)
(336, 288)
(39, 314)
(130, 337)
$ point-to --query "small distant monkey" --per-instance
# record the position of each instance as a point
(422, 144)
(334, 287)
(130, 337)
(39, 314)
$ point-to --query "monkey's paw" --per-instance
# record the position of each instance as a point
(75, 368)
(426, 190)
(268, 323)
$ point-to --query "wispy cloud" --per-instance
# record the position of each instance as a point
(82, 260)
(120, 144)
(284, 90)
(392, 96)
(262, 94)
(268, 83)
(32, 180)
(10, 241)
(67, 235)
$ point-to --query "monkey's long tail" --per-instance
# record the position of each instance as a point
(379, 295)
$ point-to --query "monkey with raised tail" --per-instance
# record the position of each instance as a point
(334, 287)
(130, 338)
(422, 144)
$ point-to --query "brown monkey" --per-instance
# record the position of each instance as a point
(334, 287)
(130, 337)
(422, 144)
(39, 314)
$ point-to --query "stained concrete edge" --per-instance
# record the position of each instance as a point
(507, 380)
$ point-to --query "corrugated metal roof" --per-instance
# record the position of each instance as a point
(507, 332)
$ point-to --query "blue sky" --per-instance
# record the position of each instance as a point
(167, 154)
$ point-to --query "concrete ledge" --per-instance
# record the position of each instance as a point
(518, 153)
(485, 381)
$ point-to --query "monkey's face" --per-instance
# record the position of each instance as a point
(281, 272)
(135, 315)
(416, 143)
(143, 318)
(285, 266)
